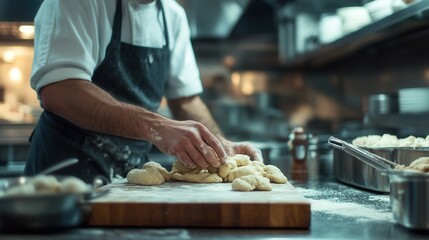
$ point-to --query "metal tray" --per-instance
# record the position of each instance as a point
(351, 170)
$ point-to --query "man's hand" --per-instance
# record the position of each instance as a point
(190, 141)
(246, 148)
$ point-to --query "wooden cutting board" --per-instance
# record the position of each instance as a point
(180, 204)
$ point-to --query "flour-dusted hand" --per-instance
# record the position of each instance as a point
(190, 141)
(246, 148)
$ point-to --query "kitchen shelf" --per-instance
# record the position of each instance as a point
(401, 22)
(415, 121)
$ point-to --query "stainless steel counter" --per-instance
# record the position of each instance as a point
(338, 211)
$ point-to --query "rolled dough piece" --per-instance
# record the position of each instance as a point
(242, 160)
(259, 166)
(250, 183)
(242, 171)
(73, 185)
(179, 167)
(25, 189)
(274, 174)
(225, 169)
(151, 174)
(46, 184)
(202, 177)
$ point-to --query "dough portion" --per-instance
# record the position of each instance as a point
(202, 177)
(387, 140)
(244, 174)
(242, 171)
(151, 174)
(274, 174)
(250, 183)
(420, 165)
(47, 184)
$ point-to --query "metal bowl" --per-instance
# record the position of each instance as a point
(351, 170)
(40, 212)
(409, 197)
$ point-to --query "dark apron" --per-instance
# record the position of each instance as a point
(132, 74)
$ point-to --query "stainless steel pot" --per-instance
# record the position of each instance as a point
(409, 191)
(350, 170)
(42, 212)
(409, 197)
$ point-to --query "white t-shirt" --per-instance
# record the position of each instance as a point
(72, 37)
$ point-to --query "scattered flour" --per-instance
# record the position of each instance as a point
(347, 209)
(335, 206)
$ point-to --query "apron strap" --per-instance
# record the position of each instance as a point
(117, 22)
(167, 45)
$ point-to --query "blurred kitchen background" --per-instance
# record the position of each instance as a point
(344, 68)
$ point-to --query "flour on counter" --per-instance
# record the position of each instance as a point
(347, 209)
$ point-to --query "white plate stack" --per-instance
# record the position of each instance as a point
(379, 9)
(353, 18)
(414, 100)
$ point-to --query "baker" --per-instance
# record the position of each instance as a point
(100, 70)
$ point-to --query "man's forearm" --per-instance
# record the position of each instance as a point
(89, 107)
(192, 108)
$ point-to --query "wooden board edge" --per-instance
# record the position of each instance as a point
(243, 215)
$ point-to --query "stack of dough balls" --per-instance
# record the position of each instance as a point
(244, 174)
(46, 184)
(387, 140)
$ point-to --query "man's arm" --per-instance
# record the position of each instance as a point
(193, 108)
(88, 106)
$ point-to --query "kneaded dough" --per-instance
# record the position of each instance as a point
(225, 169)
(202, 177)
(151, 174)
(250, 183)
(420, 165)
(242, 160)
(25, 189)
(46, 184)
(274, 174)
(179, 167)
(242, 171)
(73, 185)
(259, 166)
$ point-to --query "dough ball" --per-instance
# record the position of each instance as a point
(25, 189)
(407, 142)
(387, 140)
(250, 183)
(179, 167)
(202, 177)
(420, 164)
(73, 185)
(225, 169)
(242, 160)
(46, 184)
(372, 140)
(152, 166)
(242, 171)
(151, 174)
(360, 141)
(274, 174)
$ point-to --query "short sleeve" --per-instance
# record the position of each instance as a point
(65, 42)
(185, 77)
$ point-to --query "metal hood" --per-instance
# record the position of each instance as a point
(19, 10)
(219, 19)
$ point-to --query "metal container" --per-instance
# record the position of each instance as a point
(42, 211)
(380, 104)
(351, 170)
(409, 197)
